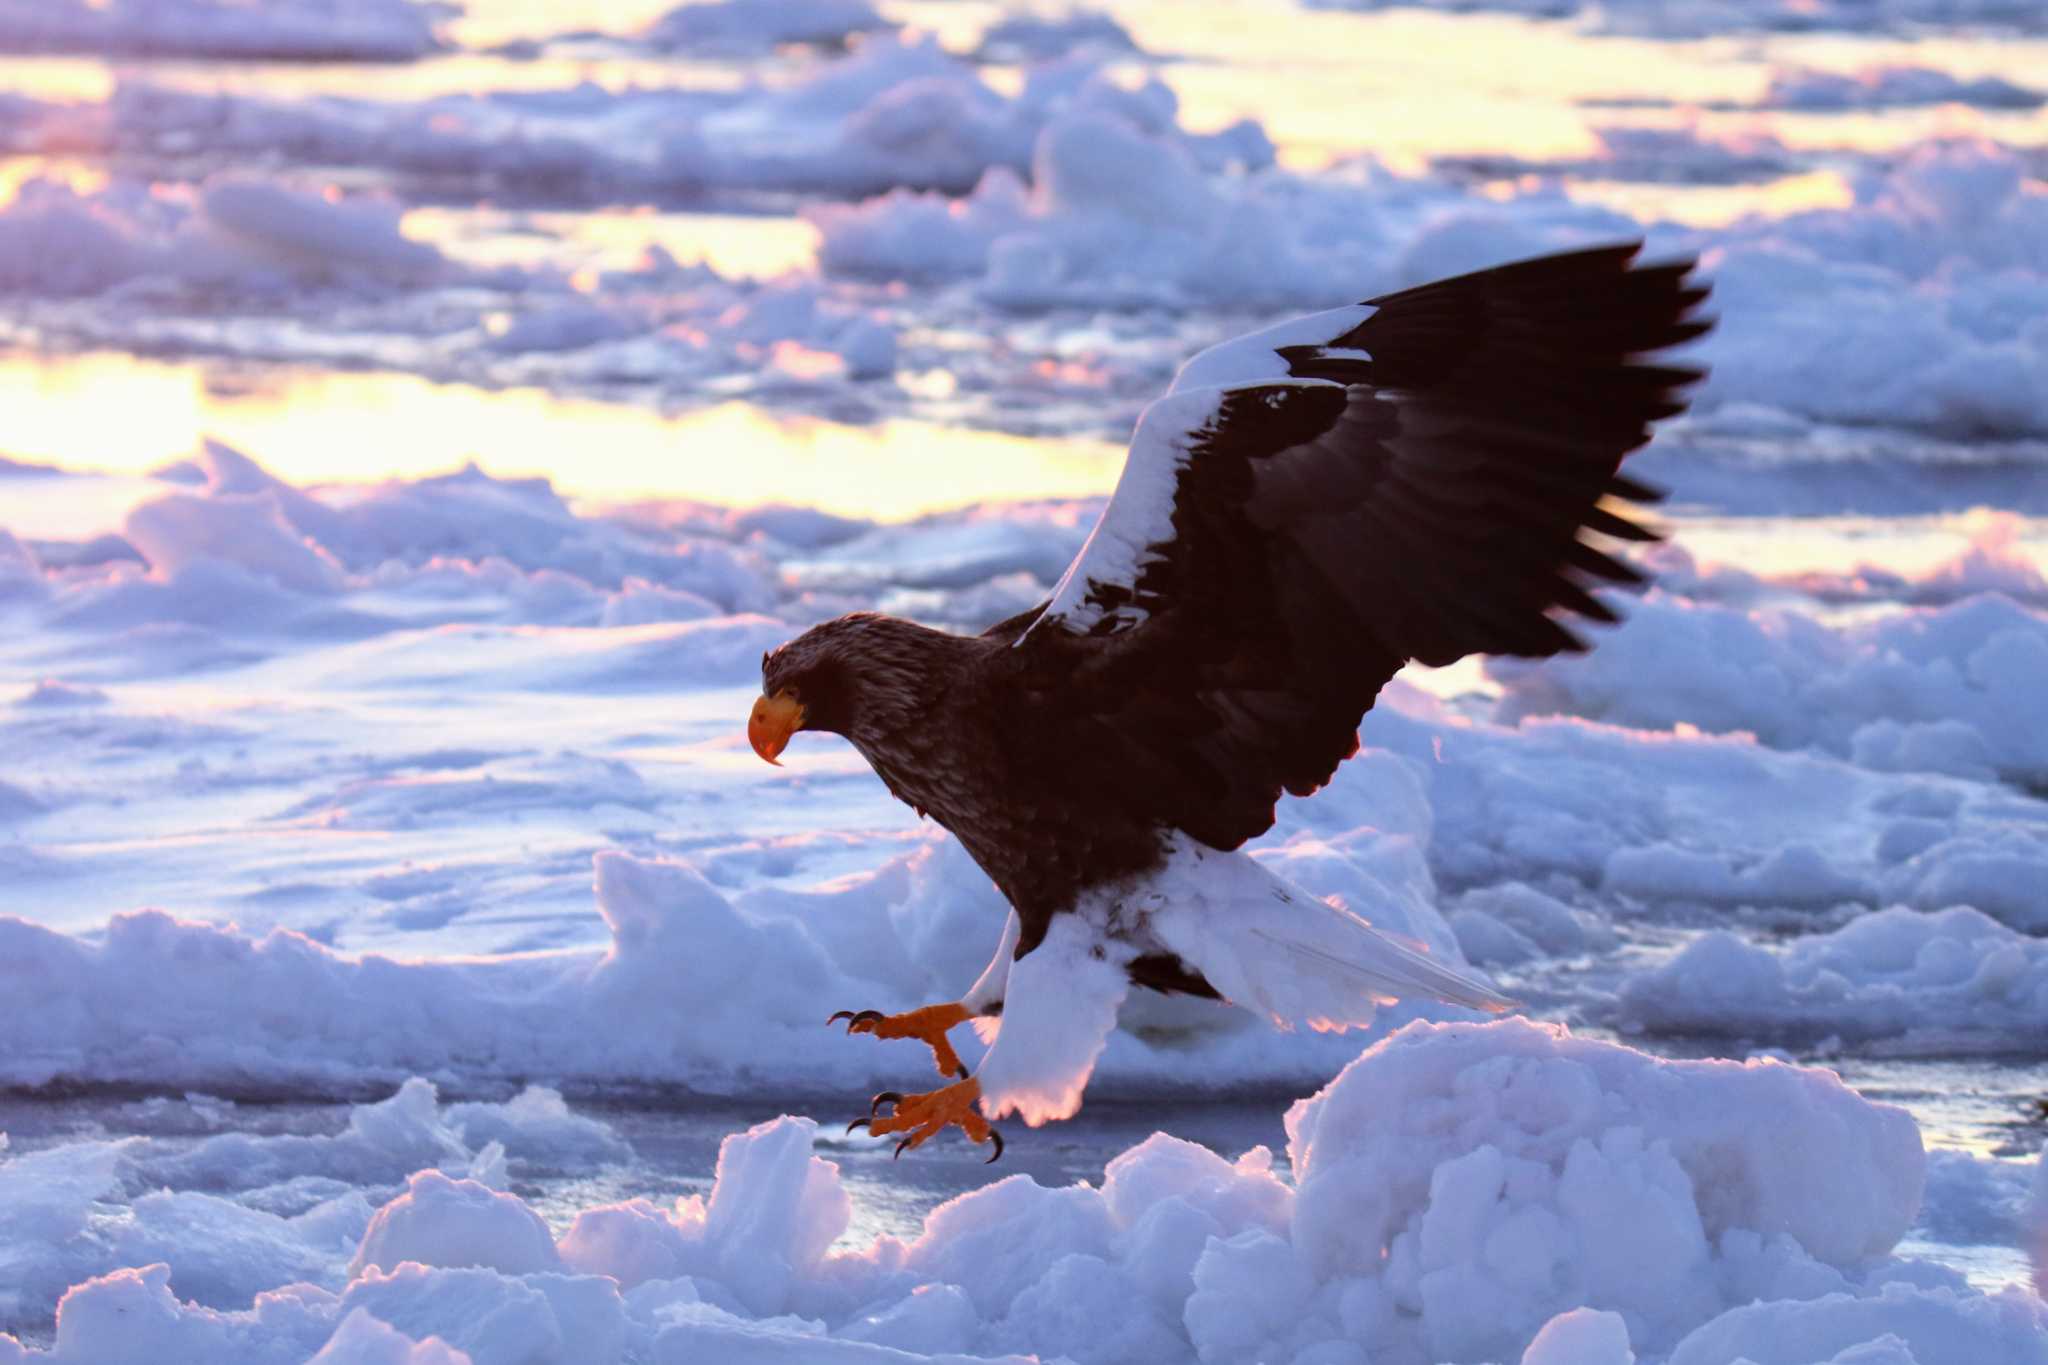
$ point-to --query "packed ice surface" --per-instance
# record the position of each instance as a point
(1704, 18)
(938, 196)
(1457, 1193)
(295, 30)
(894, 110)
(1946, 689)
(739, 26)
(1880, 86)
(1931, 981)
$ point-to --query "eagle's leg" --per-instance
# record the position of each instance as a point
(918, 1117)
(929, 1024)
(932, 1022)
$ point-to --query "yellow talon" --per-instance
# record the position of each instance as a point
(920, 1116)
(928, 1025)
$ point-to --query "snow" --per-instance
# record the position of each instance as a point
(1926, 981)
(727, 26)
(299, 30)
(1583, 1336)
(1706, 18)
(1039, 37)
(1882, 86)
(1942, 690)
(1457, 1192)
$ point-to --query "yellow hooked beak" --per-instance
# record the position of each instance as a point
(774, 720)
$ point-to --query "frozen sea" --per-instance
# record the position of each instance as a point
(416, 421)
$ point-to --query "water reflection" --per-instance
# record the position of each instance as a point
(735, 245)
(119, 415)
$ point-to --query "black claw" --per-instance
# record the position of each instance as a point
(857, 1123)
(889, 1097)
(995, 1156)
(961, 1073)
(900, 1146)
(853, 1017)
(837, 1016)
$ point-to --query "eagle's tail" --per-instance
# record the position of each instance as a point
(1272, 948)
(1386, 969)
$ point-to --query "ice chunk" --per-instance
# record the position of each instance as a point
(1584, 1336)
(1496, 1175)
(443, 1222)
(732, 26)
(290, 30)
(365, 1340)
(1894, 974)
(1938, 1327)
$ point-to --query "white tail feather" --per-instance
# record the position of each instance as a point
(1276, 950)
(1390, 970)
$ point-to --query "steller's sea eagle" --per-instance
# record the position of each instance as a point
(1423, 476)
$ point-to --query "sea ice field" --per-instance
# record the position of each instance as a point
(416, 420)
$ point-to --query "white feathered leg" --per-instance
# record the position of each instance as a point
(1059, 1006)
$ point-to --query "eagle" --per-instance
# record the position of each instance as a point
(1420, 477)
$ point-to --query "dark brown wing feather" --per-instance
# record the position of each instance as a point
(1431, 498)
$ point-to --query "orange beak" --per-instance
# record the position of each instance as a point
(774, 720)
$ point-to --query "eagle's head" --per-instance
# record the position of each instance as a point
(864, 676)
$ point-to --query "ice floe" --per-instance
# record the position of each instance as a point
(743, 26)
(1941, 690)
(1704, 18)
(297, 30)
(1458, 1193)
(1877, 87)
(1945, 981)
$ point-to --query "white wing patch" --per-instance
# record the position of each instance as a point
(1255, 358)
(1139, 514)
(1098, 585)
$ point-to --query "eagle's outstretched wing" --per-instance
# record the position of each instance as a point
(1313, 506)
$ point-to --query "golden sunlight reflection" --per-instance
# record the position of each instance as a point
(736, 245)
(62, 79)
(1718, 205)
(80, 176)
(115, 415)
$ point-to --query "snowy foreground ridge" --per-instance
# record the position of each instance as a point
(1456, 1194)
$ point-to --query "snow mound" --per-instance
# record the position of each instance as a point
(1459, 1193)
(237, 1213)
(443, 1222)
(1481, 1179)
(1936, 690)
(1042, 37)
(1117, 212)
(695, 987)
(1934, 981)
(1906, 308)
(239, 236)
(891, 111)
(1901, 1325)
